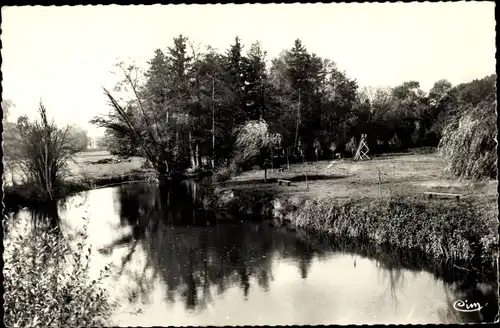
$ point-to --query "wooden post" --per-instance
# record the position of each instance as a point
(272, 161)
(287, 161)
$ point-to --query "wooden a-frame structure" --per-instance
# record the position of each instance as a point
(362, 151)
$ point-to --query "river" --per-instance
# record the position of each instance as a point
(176, 264)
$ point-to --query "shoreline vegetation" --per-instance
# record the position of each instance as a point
(90, 170)
(441, 231)
(41, 294)
(388, 212)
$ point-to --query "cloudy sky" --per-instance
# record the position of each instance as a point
(63, 55)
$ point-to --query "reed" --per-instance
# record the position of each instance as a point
(442, 231)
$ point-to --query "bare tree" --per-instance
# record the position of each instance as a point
(141, 123)
(41, 152)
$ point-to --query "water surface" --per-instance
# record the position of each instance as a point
(175, 264)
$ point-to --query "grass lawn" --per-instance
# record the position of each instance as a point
(405, 174)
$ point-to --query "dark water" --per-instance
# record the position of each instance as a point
(172, 268)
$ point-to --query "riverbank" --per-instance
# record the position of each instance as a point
(89, 170)
(26, 195)
(380, 202)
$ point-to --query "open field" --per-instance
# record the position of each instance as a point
(85, 166)
(385, 176)
(88, 170)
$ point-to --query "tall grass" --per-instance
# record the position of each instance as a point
(469, 143)
(47, 283)
(443, 231)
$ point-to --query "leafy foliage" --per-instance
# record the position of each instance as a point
(6, 108)
(47, 283)
(470, 143)
(255, 140)
(189, 106)
(254, 137)
(79, 137)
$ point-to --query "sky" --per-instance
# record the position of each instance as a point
(64, 55)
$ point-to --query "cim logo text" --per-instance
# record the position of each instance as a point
(465, 306)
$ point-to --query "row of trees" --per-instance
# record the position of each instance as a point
(190, 106)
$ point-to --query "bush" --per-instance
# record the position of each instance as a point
(395, 143)
(41, 150)
(469, 142)
(352, 146)
(146, 165)
(48, 284)
(225, 173)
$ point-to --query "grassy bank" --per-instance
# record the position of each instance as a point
(378, 202)
(89, 170)
(27, 195)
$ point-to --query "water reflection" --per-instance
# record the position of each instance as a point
(184, 267)
(191, 257)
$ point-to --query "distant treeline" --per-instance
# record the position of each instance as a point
(189, 103)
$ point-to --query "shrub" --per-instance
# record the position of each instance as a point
(46, 283)
(226, 172)
(469, 142)
(395, 143)
(146, 164)
(352, 146)
(41, 151)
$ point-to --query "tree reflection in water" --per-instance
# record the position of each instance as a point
(472, 289)
(193, 259)
(461, 283)
(196, 257)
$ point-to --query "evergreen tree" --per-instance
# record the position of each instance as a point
(235, 79)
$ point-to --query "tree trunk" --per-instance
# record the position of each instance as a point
(13, 178)
(305, 167)
(213, 121)
(191, 152)
(176, 147)
(198, 155)
(160, 165)
(298, 122)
